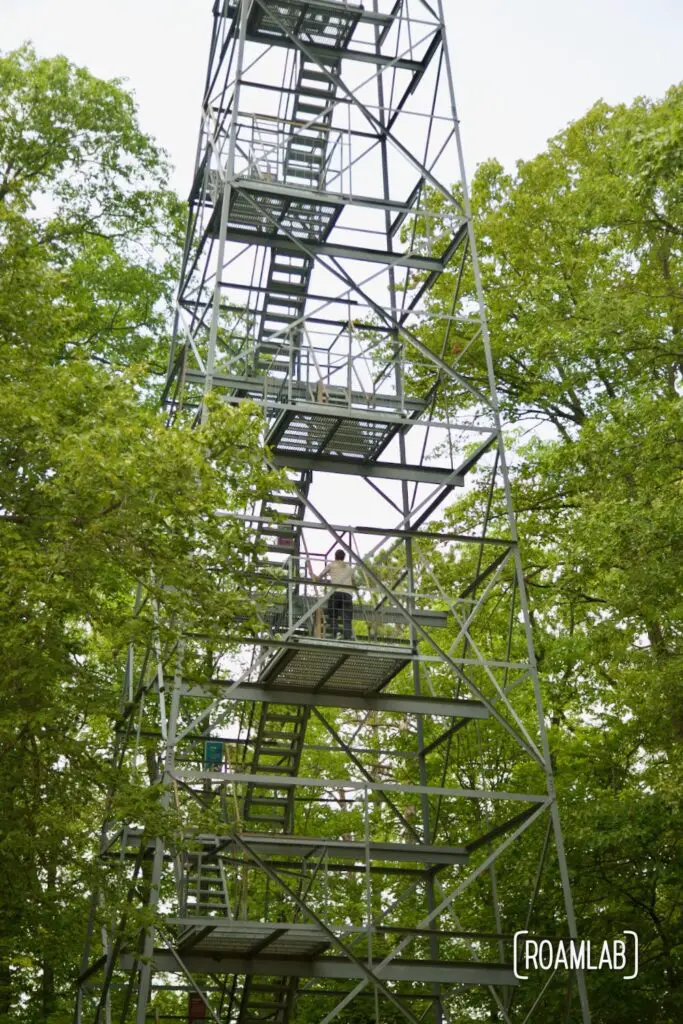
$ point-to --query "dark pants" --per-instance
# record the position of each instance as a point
(339, 614)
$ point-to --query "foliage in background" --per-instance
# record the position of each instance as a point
(96, 495)
(581, 257)
(582, 261)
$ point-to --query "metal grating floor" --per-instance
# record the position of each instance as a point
(303, 218)
(354, 850)
(319, 666)
(321, 21)
(327, 435)
(246, 938)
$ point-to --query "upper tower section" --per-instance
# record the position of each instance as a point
(323, 214)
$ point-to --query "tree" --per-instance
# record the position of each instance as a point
(96, 495)
(581, 255)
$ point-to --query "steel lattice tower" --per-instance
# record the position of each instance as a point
(364, 856)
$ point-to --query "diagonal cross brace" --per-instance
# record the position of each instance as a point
(368, 973)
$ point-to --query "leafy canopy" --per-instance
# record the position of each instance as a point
(96, 495)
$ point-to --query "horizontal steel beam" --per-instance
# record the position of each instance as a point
(441, 707)
(456, 972)
(377, 470)
(214, 846)
(274, 387)
(309, 246)
(413, 853)
(231, 10)
(292, 410)
(336, 53)
(360, 785)
(315, 195)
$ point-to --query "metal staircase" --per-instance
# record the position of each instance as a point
(277, 750)
(206, 889)
(278, 345)
(282, 539)
(267, 1001)
(289, 275)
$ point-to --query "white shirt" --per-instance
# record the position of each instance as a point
(340, 575)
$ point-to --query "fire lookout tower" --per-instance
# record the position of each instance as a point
(371, 816)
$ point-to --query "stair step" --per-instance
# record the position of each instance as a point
(308, 108)
(315, 91)
(296, 172)
(270, 346)
(311, 91)
(308, 71)
(296, 159)
(316, 141)
(283, 299)
(272, 366)
(268, 801)
(281, 365)
(283, 288)
(264, 819)
(293, 264)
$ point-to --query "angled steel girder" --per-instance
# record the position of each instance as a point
(410, 705)
(313, 283)
(336, 967)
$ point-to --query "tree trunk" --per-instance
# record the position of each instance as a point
(5, 987)
(48, 997)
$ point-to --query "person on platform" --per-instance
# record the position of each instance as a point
(339, 611)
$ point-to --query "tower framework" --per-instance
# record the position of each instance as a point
(370, 817)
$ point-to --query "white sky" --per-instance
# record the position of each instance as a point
(522, 68)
